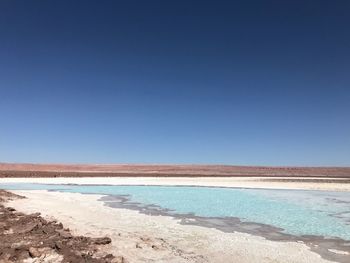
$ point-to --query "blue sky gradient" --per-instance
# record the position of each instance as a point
(233, 82)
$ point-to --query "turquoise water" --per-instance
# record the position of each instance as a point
(320, 213)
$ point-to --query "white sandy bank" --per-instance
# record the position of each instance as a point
(143, 238)
(246, 182)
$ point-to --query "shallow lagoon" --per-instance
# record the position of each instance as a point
(297, 212)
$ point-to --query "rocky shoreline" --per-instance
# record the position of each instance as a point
(31, 238)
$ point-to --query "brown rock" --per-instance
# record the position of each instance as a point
(26, 228)
(20, 255)
(18, 245)
(119, 259)
(34, 252)
(58, 245)
(109, 257)
(102, 241)
(64, 234)
(4, 257)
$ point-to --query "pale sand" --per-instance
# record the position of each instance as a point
(245, 182)
(133, 234)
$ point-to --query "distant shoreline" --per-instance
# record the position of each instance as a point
(142, 170)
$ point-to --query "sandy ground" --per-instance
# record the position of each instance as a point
(143, 238)
(165, 170)
(246, 182)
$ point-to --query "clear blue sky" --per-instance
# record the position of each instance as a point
(233, 82)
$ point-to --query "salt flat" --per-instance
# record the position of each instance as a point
(143, 238)
(334, 184)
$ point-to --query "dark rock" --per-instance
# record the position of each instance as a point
(58, 245)
(102, 241)
(26, 228)
(64, 234)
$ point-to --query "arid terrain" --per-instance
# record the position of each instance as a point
(106, 170)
